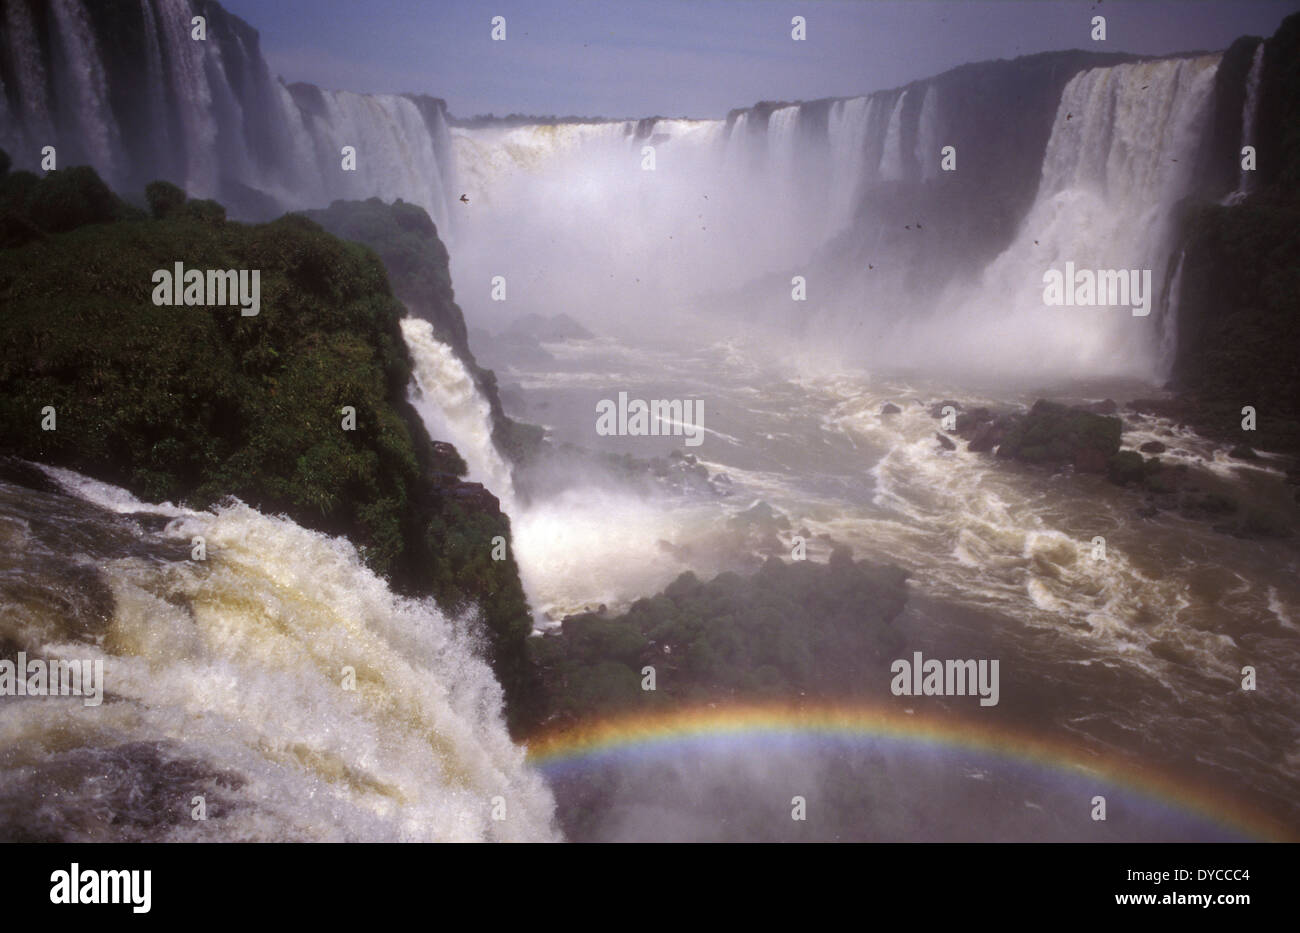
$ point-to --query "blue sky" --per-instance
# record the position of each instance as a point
(630, 58)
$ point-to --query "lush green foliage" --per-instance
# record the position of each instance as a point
(198, 403)
(801, 628)
(407, 241)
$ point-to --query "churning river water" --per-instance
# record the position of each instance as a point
(1138, 655)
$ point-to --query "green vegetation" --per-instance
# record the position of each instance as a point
(194, 404)
(407, 242)
(793, 629)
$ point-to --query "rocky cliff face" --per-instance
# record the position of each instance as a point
(126, 87)
(1240, 290)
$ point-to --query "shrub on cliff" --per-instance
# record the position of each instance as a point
(406, 239)
(196, 403)
(790, 629)
(32, 206)
(164, 198)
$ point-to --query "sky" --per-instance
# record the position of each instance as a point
(699, 58)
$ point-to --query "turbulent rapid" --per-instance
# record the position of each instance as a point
(1000, 557)
(820, 275)
(278, 679)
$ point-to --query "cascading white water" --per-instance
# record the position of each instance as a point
(232, 122)
(1169, 329)
(585, 217)
(32, 120)
(927, 136)
(156, 84)
(397, 155)
(846, 136)
(449, 403)
(188, 79)
(891, 162)
(576, 220)
(85, 84)
(1121, 154)
(1249, 112)
(233, 675)
(783, 141)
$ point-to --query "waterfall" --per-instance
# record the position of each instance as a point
(891, 162)
(188, 80)
(783, 141)
(1249, 113)
(927, 137)
(573, 217)
(31, 125)
(211, 119)
(81, 80)
(231, 678)
(1169, 320)
(1120, 155)
(397, 150)
(846, 131)
(453, 410)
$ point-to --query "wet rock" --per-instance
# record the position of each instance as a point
(968, 421)
(1053, 435)
(1125, 467)
(1128, 466)
(987, 436)
(477, 497)
(763, 515)
(944, 442)
(1153, 447)
(1197, 504)
(22, 473)
(1090, 460)
(1243, 452)
(889, 408)
(1107, 407)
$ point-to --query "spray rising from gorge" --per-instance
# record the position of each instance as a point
(851, 194)
(825, 277)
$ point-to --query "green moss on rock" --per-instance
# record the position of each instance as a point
(194, 404)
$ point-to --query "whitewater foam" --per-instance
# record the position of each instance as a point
(232, 676)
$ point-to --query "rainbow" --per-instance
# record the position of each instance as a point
(618, 736)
